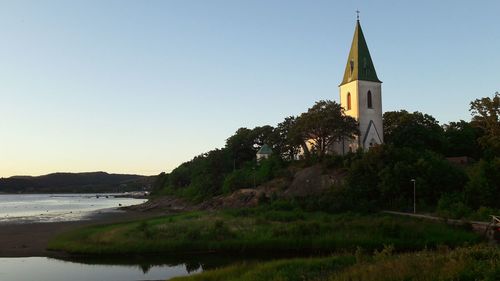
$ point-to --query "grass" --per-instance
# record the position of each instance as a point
(259, 230)
(462, 264)
(292, 270)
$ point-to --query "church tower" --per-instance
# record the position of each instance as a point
(361, 95)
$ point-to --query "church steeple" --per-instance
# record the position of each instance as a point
(359, 63)
(361, 96)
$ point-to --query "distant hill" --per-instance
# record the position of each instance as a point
(75, 183)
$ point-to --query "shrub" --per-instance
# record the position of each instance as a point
(453, 206)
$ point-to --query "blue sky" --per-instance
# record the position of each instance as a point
(142, 86)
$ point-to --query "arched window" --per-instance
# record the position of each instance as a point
(348, 101)
(369, 99)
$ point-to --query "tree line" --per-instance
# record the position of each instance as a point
(416, 147)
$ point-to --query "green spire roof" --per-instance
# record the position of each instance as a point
(359, 63)
(265, 149)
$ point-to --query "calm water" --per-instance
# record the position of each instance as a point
(67, 207)
(46, 269)
(57, 207)
(71, 207)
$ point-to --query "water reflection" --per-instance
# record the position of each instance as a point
(133, 268)
(191, 263)
(40, 268)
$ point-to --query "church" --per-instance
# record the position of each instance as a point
(361, 96)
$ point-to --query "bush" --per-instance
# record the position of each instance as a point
(484, 214)
(453, 206)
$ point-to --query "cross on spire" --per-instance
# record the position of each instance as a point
(357, 12)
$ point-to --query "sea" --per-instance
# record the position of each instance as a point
(47, 208)
(39, 208)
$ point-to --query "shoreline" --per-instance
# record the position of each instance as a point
(30, 239)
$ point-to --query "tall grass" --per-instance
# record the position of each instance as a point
(462, 264)
(476, 263)
(261, 230)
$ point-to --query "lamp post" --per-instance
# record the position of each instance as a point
(254, 181)
(414, 197)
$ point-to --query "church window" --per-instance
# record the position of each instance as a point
(369, 99)
(348, 101)
(352, 65)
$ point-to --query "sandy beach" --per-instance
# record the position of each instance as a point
(30, 239)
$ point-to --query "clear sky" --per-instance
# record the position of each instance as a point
(142, 86)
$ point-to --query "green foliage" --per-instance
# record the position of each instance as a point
(201, 177)
(242, 178)
(486, 116)
(279, 227)
(254, 174)
(453, 206)
(291, 270)
(484, 214)
(379, 179)
(382, 178)
(324, 124)
(475, 263)
(462, 139)
(288, 138)
(415, 130)
(483, 189)
(463, 264)
(160, 183)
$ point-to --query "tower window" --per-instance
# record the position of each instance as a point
(348, 101)
(352, 66)
(369, 99)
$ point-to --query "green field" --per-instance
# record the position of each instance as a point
(262, 230)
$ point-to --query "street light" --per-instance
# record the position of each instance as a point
(414, 197)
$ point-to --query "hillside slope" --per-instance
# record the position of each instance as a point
(75, 182)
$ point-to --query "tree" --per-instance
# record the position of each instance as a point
(288, 142)
(324, 124)
(461, 139)
(264, 135)
(241, 146)
(485, 115)
(245, 143)
(483, 189)
(416, 130)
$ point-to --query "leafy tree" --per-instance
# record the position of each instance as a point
(486, 116)
(241, 146)
(483, 189)
(160, 182)
(362, 191)
(461, 139)
(416, 130)
(382, 177)
(324, 124)
(264, 135)
(288, 142)
(181, 176)
(202, 176)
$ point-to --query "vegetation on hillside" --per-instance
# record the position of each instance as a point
(416, 147)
